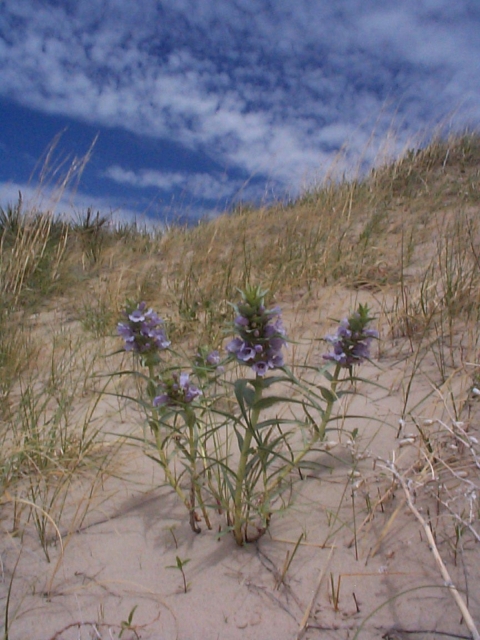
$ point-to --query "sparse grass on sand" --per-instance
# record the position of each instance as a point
(382, 537)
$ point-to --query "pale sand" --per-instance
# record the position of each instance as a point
(119, 557)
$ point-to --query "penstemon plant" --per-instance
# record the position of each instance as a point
(258, 345)
(351, 346)
(195, 422)
(169, 398)
(174, 420)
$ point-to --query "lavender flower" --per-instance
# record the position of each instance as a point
(213, 358)
(206, 365)
(143, 331)
(261, 335)
(352, 340)
(176, 391)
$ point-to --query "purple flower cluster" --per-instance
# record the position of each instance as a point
(261, 335)
(352, 340)
(143, 330)
(177, 391)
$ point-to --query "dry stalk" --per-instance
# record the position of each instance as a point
(308, 610)
(381, 500)
(438, 559)
(386, 529)
(463, 522)
(463, 438)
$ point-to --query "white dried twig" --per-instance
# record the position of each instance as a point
(433, 547)
(308, 610)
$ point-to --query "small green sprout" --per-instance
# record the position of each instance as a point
(180, 564)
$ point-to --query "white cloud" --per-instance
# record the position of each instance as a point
(265, 88)
(145, 178)
(197, 185)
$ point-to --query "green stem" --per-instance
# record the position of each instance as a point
(151, 386)
(190, 422)
(318, 435)
(195, 491)
(328, 411)
(242, 465)
(169, 476)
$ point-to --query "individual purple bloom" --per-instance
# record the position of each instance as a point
(213, 358)
(274, 329)
(235, 345)
(136, 316)
(161, 400)
(240, 321)
(125, 332)
(260, 368)
(276, 344)
(275, 360)
(159, 338)
(191, 392)
(152, 316)
(246, 353)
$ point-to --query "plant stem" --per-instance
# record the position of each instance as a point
(195, 491)
(238, 520)
(169, 476)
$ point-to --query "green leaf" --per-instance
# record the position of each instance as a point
(277, 422)
(181, 563)
(269, 401)
(239, 438)
(265, 403)
(328, 395)
(267, 382)
(151, 389)
(244, 394)
(130, 616)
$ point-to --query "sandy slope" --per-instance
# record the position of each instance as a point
(380, 566)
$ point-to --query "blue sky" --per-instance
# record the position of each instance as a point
(201, 103)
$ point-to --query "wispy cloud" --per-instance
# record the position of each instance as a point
(266, 89)
(145, 178)
(199, 185)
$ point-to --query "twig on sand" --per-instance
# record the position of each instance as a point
(433, 547)
(385, 530)
(308, 610)
(369, 518)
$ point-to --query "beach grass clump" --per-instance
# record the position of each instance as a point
(33, 245)
(51, 439)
